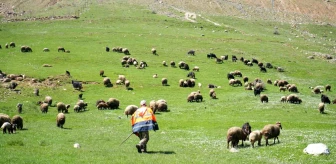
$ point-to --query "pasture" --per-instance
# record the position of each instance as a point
(191, 132)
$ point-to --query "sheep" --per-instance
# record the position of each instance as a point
(127, 84)
(321, 107)
(263, 69)
(212, 86)
(130, 109)
(61, 107)
(67, 51)
(196, 68)
(191, 75)
(199, 85)
(269, 65)
(26, 49)
(77, 85)
(46, 50)
(107, 49)
(256, 91)
(125, 51)
(155, 76)
(263, 98)
(80, 96)
(60, 120)
(191, 52)
(8, 126)
(292, 88)
(190, 97)
(225, 57)
(269, 81)
(218, 60)
(316, 90)
(122, 78)
(164, 81)
(46, 65)
(101, 73)
(44, 107)
(19, 107)
(230, 76)
(102, 105)
(328, 87)
(154, 51)
(81, 106)
(198, 97)
(172, 63)
(245, 79)
(279, 69)
(161, 106)
(4, 118)
(36, 92)
(107, 82)
(325, 99)
(255, 61)
(271, 131)
(282, 83)
(13, 85)
(283, 99)
(261, 64)
(255, 136)
(212, 93)
(234, 58)
(234, 82)
(211, 55)
(234, 134)
(282, 89)
(11, 44)
(60, 49)
(76, 108)
(164, 63)
(237, 73)
(293, 98)
(113, 103)
(18, 120)
(48, 100)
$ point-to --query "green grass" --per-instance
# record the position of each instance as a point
(190, 132)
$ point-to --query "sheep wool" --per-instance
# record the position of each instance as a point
(60, 120)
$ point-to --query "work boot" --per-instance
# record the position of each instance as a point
(138, 148)
(145, 149)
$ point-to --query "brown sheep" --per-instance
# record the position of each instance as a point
(196, 68)
(255, 136)
(4, 118)
(48, 100)
(271, 131)
(263, 98)
(61, 107)
(101, 73)
(154, 51)
(282, 89)
(234, 134)
(292, 88)
(107, 82)
(130, 109)
(60, 120)
(321, 107)
(113, 103)
(60, 49)
(44, 107)
(283, 99)
(190, 97)
(317, 90)
(8, 126)
(161, 106)
(127, 84)
(212, 93)
(102, 105)
(269, 81)
(18, 121)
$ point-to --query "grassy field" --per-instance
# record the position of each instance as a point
(189, 132)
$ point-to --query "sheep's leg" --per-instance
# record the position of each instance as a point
(266, 141)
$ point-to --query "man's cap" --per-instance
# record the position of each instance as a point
(143, 102)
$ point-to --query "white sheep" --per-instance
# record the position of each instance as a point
(255, 136)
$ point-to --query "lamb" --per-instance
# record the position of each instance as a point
(283, 99)
(122, 78)
(101, 73)
(191, 52)
(8, 126)
(196, 68)
(102, 105)
(328, 87)
(61, 107)
(282, 89)
(271, 131)
(127, 84)
(321, 107)
(130, 109)
(164, 82)
(46, 50)
(107, 82)
(172, 63)
(164, 63)
(212, 93)
(60, 49)
(60, 120)
(18, 120)
(234, 134)
(113, 103)
(263, 98)
(48, 100)
(80, 106)
(255, 136)
(19, 107)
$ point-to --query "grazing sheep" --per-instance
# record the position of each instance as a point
(212, 93)
(67, 51)
(196, 68)
(102, 105)
(107, 49)
(60, 120)
(283, 99)
(234, 134)
(279, 69)
(155, 76)
(230, 76)
(256, 91)
(191, 75)
(4, 118)
(325, 99)
(60, 49)
(107, 82)
(11, 44)
(161, 106)
(113, 103)
(77, 108)
(80, 96)
(255, 136)
(211, 55)
(293, 98)
(212, 86)
(317, 90)
(282, 89)
(46, 65)
(198, 97)
(101, 73)
(269, 65)
(46, 50)
(190, 97)
(164, 81)
(164, 63)
(271, 131)
(36, 92)
(263, 98)
(269, 81)
(18, 120)
(245, 79)
(234, 58)
(282, 83)
(199, 85)
(172, 63)
(26, 49)
(19, 107)
(13, 85)
(263, 69)
(48, 100)
(191, 52)
(77, 85)
(328, 87)
(81, 105)
(237, 73)
(218, 60)
(249, 64)
(122, 78)
(154, 51)
(127, 84)
(321, 107)
(8, 127)
(61, 107)
(234, 82)
(130, 109)
(125, 51)
(292, 88)
(44, 107)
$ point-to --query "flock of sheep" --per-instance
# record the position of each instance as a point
(234, 134)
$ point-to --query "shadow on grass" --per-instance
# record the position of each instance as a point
(161, 152)
(129, 89)
(67, 128)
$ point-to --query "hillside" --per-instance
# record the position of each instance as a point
(290, 11)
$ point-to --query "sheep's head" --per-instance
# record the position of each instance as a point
(279, 124)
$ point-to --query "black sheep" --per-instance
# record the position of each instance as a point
(13, 85)
(76, 85)
(234, 58)
(212, 86)
(67, 73)
(191, 74)
(191, 52)
(256, 91)
(211, 55)
(107, 49)
(230, 76)
(325, 99)
(263, 69)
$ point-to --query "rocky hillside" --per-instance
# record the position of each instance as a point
(291, 11)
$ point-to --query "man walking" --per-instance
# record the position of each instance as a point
(142, 121)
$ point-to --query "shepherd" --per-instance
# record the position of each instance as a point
(142, 121)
